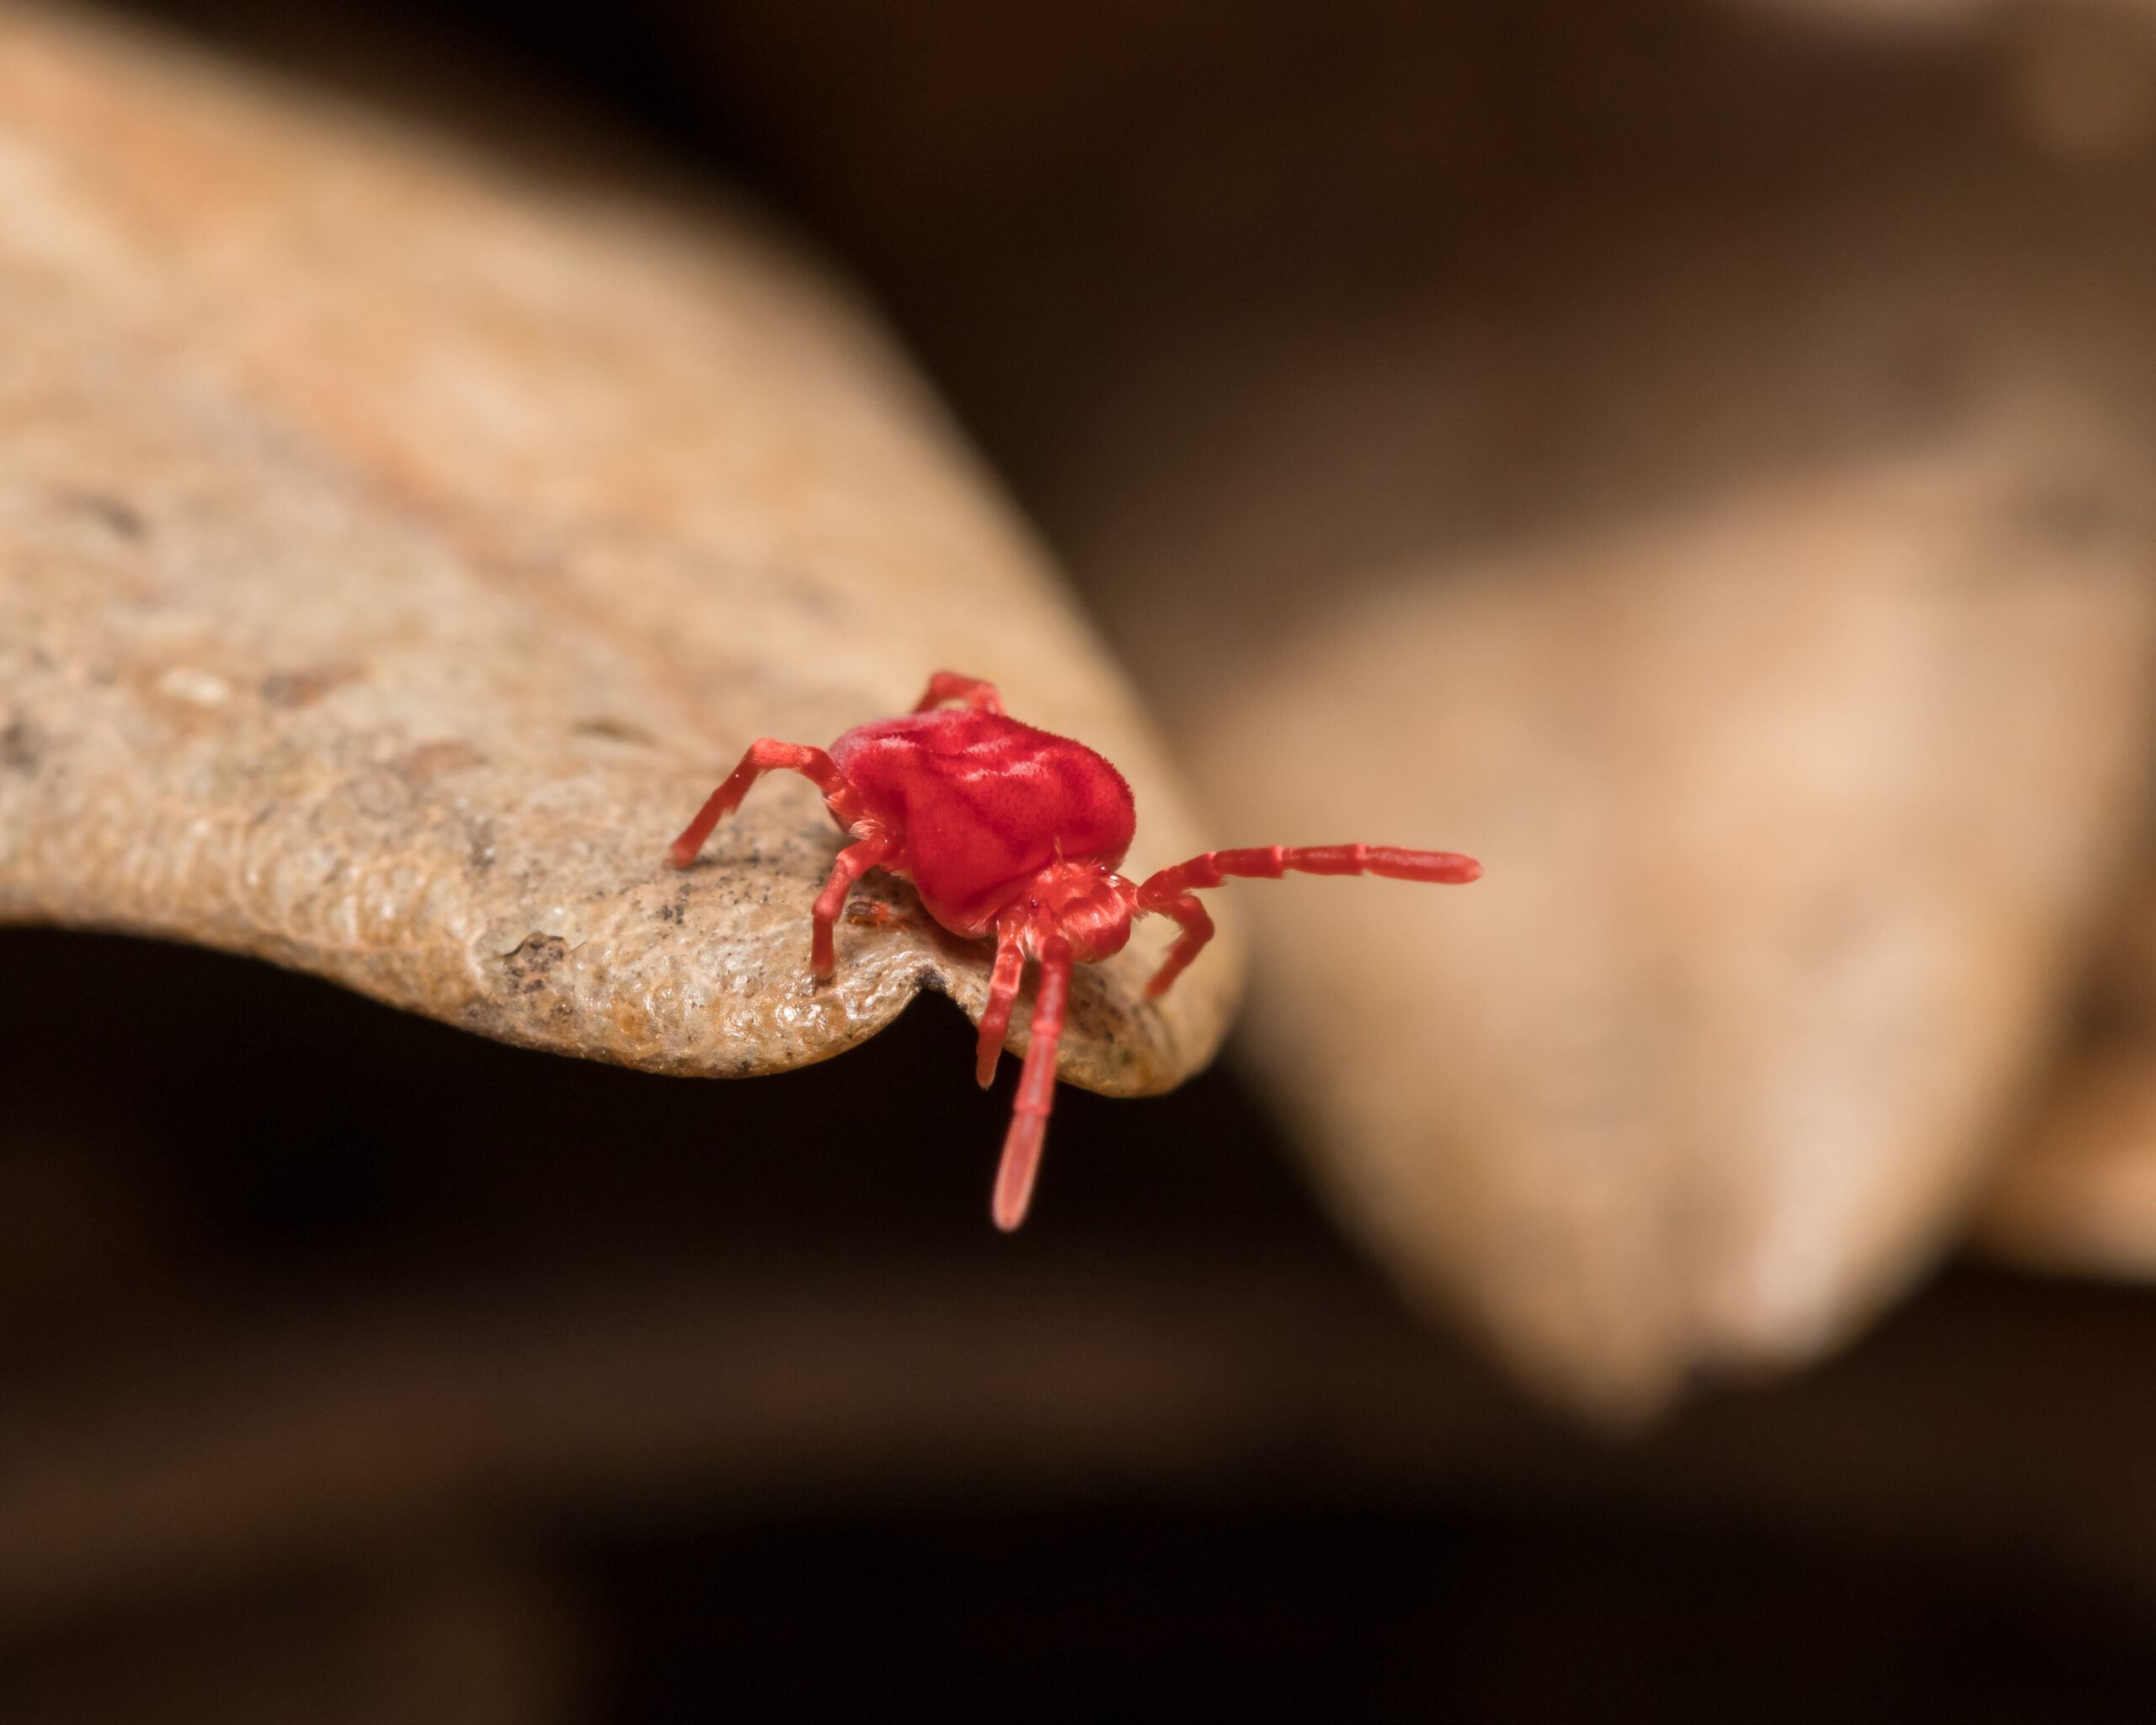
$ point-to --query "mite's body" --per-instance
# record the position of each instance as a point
(1013, 834)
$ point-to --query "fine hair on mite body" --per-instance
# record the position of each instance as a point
(1013, 835)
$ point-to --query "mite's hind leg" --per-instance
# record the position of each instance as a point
(767, 755)
(1022, 1144)
(853, 861)
(1168, 892)
(949, 685)
(1002, 992)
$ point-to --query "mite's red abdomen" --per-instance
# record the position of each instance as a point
(985, 804)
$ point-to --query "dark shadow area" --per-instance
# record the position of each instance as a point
(288, 1134)
(1361, 1524)
(1350, 1616)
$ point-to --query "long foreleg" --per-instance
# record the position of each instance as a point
(949, 685)
(765, 755)
(1170, 891)
(1002, 992)
(853, 861)
(1022, 1144)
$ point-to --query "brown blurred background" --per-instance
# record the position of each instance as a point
(354, 1369)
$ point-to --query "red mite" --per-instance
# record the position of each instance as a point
(1010, 832)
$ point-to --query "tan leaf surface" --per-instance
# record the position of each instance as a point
(2078, 1191)
(2079, 1195)
(397, 544)
(1784, 875)
(1769, 611)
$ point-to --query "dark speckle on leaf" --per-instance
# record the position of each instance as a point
(305, 687)
(21, 748)
(533, 962)
(115, 514)
(614, 730)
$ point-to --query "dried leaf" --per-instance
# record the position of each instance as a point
(2077, 1192)
(1769, 610)
(2079, 1195)
(1786, 870)
(399, 543)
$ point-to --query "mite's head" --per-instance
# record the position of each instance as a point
(1088, 903)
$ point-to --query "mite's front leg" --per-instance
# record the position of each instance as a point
(853, 861)
(1168, 891)
(1022, 1144)
(1197, 930)
(767, 755)
(1002, 992)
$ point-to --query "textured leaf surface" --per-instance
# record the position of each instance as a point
(397, 544)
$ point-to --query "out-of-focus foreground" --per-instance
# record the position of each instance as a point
(1697, 458)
